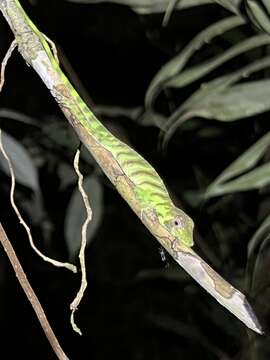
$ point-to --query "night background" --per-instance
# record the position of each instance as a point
(139, 304)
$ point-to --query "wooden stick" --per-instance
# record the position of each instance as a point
(30, 294)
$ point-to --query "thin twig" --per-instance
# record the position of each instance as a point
(31, 296)
(75, 303)
(53, 47)
(4, 63)
(27, 229)
(61, 58)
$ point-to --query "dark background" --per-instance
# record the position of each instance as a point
(137, 306)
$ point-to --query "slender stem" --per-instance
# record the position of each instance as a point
(75, 303)
(4, 63)
(30, 294)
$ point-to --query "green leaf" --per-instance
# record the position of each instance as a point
(23, 165)
(229, 5)
(221, 83)
(211, 93)
(259, 14)
(259, 236)
(237, 102)
(194, 73)
(255, 179)
(76, 214)
(256, 245)
(175, 65)
(246, 161)
(171, 6)
(227, 181)
(152, 6)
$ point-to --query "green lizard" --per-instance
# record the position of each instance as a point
(149, 189)
(134, 178)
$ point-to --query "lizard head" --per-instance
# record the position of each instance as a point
(180, 226)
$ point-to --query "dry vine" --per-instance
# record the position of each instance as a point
(75, 303)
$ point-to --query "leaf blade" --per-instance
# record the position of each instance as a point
(176, 64)
(23, 165)
(255, 179)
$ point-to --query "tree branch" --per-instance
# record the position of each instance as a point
(30, 294)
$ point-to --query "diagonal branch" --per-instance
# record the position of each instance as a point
(30, 294)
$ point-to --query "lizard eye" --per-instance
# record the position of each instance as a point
(177, 222)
